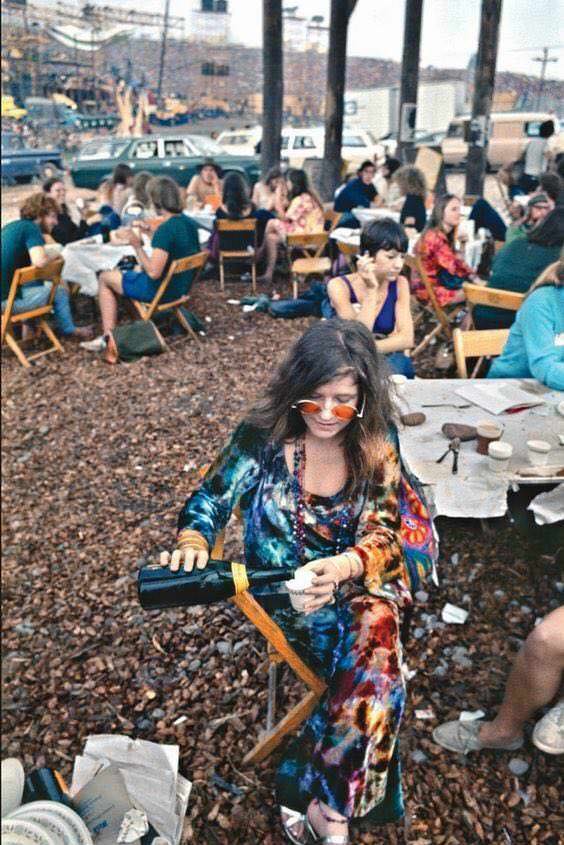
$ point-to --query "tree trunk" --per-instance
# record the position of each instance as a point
(273, 84)
(409, 72)
(483, 96)
(341, 10)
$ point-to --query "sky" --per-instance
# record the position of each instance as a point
(449, 34)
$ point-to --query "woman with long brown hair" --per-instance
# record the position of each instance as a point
(442, 261)
(315, 471)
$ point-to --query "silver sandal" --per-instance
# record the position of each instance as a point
(292, 820)
(328, 839)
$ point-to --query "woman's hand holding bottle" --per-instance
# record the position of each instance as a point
(192, 550)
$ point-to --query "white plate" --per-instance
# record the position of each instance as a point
(13, 777)
(80, 833)
(60, 830)
(21, 832)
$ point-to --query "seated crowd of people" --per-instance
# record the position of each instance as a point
(129, 208)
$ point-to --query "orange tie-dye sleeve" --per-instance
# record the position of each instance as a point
(379, 543)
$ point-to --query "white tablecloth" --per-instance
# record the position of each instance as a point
(475, 491)
(472, 249)
(365, 215)
(83, 259)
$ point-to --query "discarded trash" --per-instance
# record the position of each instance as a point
(455, 615)
(455, 558)
(180, 720)
(425, 714)
(233, 301)
(133, 827)
(116, 774)
(517, 766)
(418, 756)
(471, 715)
(421, 596)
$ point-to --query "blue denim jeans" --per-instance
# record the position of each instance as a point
(400, 363)
(35, 295)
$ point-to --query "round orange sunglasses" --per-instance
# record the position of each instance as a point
(343, 411)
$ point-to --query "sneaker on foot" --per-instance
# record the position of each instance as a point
(96, 345)
(463, 737)
(548, 734)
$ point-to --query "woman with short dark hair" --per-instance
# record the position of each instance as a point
(377, 295)
(412, 186)
(315, 472)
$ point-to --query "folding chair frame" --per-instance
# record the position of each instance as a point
(477, 344)
(147, 310)
(279, 651)
(494, 297)
(443, 317)
(249, 225)
(312, 246)
(50, 272)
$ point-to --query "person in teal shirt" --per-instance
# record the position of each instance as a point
(175, 238)
(518, 264)
(535, 347)
(23, 245)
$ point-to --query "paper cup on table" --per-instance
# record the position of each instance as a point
(538, 451)
(499, 455)
(487, 432)
(303, 578)
(398, 382)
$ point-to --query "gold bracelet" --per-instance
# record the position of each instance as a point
(353, 558)
(188, 539)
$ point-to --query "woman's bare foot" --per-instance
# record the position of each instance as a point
(326, 821)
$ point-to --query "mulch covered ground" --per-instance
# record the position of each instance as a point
(97, 462)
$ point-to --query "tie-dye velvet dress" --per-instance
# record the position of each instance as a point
(346, 753)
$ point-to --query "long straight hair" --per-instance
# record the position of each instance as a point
(328, 350)
(437, 215)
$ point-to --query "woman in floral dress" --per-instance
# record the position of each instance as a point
(442, 262)
(315, 471)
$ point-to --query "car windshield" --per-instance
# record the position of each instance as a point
(12, 142)
(353, 141)
(204, 146)
(102, 148)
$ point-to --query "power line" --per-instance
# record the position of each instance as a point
(544, 60)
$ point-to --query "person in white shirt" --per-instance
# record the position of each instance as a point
(536, 157)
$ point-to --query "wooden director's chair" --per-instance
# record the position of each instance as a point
(50, 272)
(445, 316)
(312, 261)
(477, 344)
(279, 651)
(237, 242)
(494, 297)
(147, 310)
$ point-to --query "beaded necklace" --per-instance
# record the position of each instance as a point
(298, 517)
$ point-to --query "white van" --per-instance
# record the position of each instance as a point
(510, 133)
(302, 142)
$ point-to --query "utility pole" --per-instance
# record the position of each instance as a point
(409, 79)
(483, 96)
(544, 60)
(272, 84)
(163, 49)
(341, 11)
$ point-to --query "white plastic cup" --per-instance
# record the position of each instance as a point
(538, 452)
(399, 382)
(303, 578)
(499, 455)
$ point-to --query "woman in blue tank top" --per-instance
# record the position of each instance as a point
(377, 295)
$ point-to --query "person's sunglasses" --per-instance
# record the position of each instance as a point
(341, 412)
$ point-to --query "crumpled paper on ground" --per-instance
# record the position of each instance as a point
(150, 774)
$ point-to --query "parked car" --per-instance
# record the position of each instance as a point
(302, 142)
(164, 155)
(22, 164)
(389, 141)
(509, 134)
